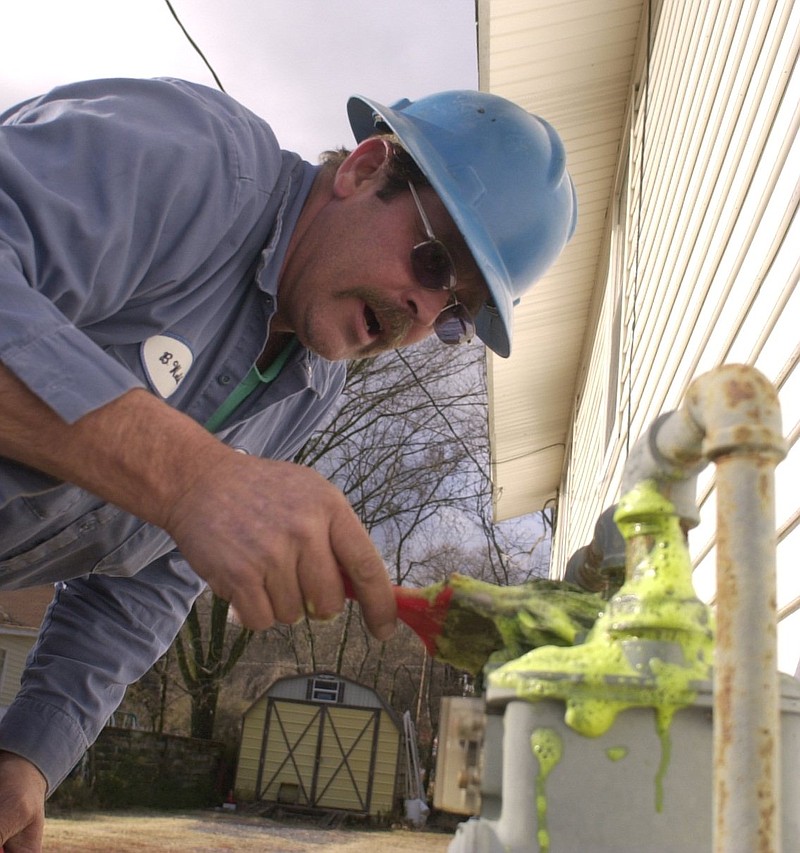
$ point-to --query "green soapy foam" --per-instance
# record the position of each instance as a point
(616, 753)
(651, 647)
(662, 727)
(547, 748)
(487, 623)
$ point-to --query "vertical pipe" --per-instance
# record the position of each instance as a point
(731, 416)
(740, 415)
(746, 706)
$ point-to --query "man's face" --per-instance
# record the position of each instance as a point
(348, 289)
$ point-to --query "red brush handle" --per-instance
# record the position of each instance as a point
(426, 618)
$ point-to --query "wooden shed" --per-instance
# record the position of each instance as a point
(321, 741)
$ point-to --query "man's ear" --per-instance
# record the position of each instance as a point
(362, 166)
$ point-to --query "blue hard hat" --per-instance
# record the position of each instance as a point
(501, 173)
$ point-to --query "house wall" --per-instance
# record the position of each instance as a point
(702, 266)
(14, 650)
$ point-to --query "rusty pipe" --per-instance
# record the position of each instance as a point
(731, 416)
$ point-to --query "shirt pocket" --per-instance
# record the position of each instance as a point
(64, 500)
(106, 540)
(143, 546)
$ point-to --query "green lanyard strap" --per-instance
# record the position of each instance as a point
(245, 388)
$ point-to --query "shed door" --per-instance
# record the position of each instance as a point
(318, 755)
(348, 737)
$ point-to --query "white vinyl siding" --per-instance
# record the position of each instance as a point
(710, 260)
(14, 648)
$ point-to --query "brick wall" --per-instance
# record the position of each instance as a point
(129, 767)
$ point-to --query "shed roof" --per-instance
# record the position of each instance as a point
(278, 689)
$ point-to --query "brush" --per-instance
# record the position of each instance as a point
(468, 623)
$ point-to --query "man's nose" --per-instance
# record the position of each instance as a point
(426, 305)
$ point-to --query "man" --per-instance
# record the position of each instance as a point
(178, 300)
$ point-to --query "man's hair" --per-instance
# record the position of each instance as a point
(400, 168)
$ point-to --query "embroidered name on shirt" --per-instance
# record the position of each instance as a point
(167, 360)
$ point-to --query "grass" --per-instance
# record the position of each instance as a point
(211, 831)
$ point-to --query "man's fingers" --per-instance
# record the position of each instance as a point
(22, 793)
(26, 842)
(275, 543)
(362, 564)
(252, 607)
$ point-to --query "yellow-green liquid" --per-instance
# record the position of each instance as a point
(616, 753)
(547, 748)
(656, 611)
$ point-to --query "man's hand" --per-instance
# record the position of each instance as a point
(22, 795)
(273, 538)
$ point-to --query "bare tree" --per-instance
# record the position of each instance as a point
(205, 658)
(408, 446)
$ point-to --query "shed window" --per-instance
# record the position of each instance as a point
(325, 690)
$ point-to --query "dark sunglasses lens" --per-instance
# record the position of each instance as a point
(454, 325)
(432, 266)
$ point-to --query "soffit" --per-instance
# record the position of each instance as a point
(570, 61)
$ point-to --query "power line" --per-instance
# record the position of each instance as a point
(194, 45)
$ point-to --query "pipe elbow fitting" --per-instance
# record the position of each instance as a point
(738, 411)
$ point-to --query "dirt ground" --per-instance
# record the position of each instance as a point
(212, 831)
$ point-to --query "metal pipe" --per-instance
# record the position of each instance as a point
(600, 565)
(747, 796)
(743, 437)
(731, 416)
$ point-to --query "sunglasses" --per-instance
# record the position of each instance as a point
(434, 270)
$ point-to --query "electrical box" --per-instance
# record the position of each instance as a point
(628, 791)
(462, 722)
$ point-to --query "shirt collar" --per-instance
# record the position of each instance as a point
(297, 187)
(318, 372)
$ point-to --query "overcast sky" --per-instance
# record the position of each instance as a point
(294, 62)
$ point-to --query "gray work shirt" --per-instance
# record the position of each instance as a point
(143, 224)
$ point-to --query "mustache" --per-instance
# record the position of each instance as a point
(395, 323)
